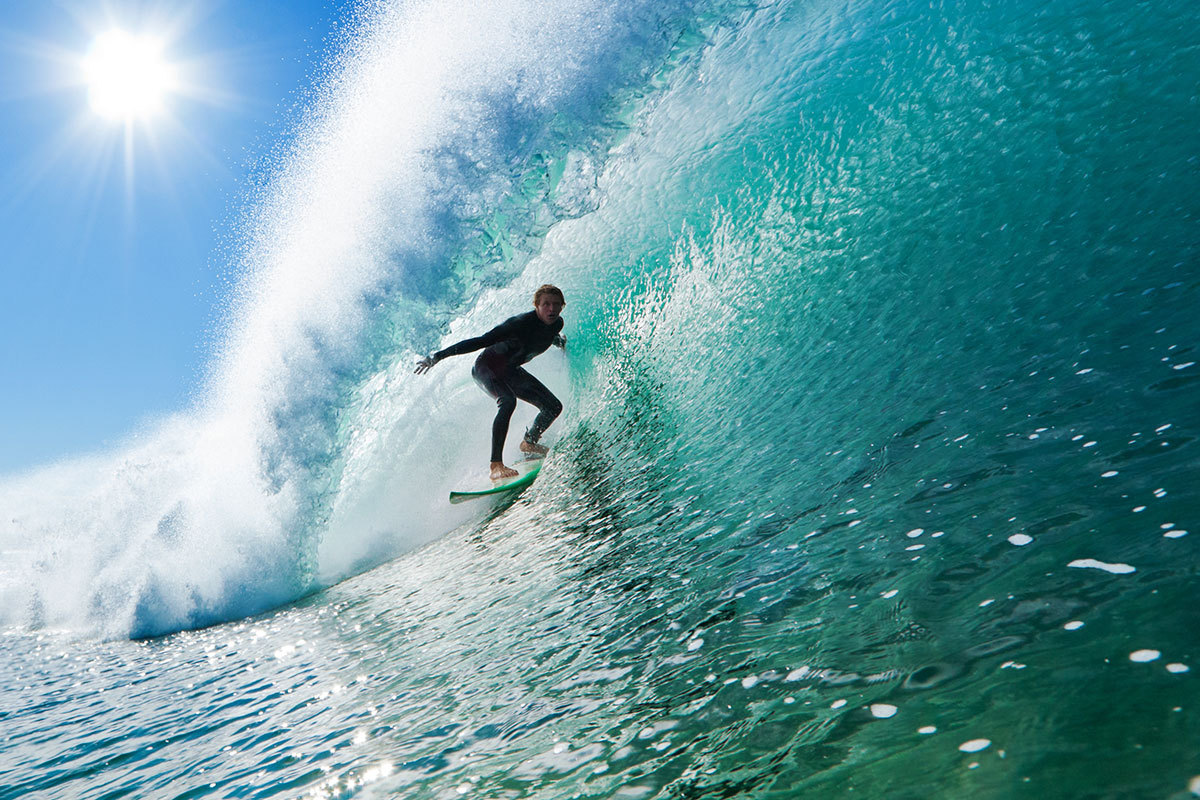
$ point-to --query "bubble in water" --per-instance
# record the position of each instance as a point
(931, 675)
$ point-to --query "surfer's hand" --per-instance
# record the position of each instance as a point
(560, 341)
(424, 364)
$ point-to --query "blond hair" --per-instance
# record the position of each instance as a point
(545, 289)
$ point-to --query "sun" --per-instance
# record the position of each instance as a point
(127, 76)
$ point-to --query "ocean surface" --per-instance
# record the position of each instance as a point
(878, 475)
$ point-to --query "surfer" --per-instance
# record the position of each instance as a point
(498, 371)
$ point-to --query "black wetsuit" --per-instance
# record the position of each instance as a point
(498, 370)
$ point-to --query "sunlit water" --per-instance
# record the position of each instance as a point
(878, 465)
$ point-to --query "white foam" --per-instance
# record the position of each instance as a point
(975, 745)
(1091, 563)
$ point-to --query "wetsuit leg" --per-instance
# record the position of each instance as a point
(515, 383)
(506, 403)
(534, 392)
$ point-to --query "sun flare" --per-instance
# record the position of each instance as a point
(127, 76)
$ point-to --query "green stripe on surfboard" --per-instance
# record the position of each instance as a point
(521, 481)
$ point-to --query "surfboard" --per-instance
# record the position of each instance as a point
(528, 469)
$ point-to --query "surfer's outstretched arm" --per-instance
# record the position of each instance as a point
(494, 336)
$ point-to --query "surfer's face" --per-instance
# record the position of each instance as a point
(548, 308)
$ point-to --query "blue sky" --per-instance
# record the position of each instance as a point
(115, 240)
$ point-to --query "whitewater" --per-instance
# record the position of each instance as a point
(878, 461)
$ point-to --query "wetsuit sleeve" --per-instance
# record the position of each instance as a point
(494, 336)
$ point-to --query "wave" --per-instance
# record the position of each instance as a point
(441, 145)
(817, 260)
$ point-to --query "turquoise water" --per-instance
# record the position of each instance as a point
(878, 464)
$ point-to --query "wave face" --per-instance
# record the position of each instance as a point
(881, 418)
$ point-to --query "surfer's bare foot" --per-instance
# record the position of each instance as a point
(531, 449)
(500, 472)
